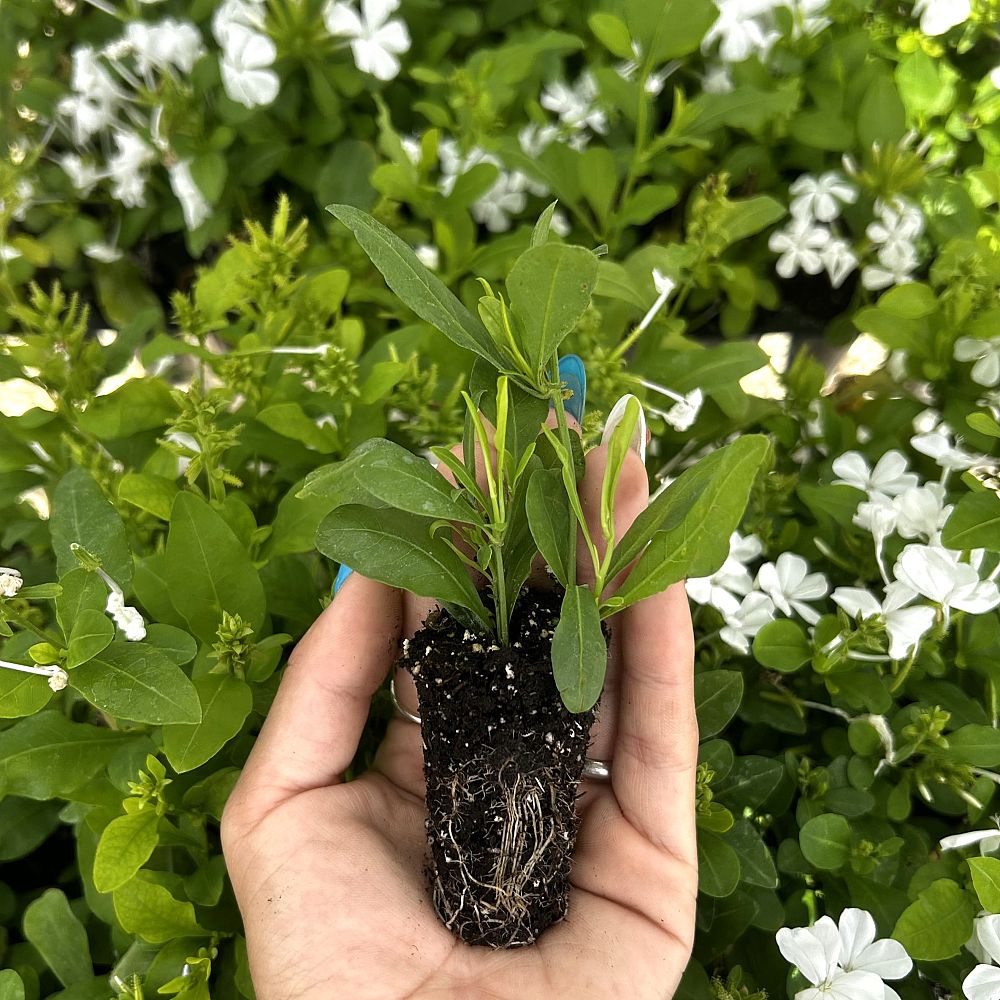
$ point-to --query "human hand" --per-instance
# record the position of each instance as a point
(329, 875)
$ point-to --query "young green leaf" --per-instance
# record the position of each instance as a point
(146, 908)
(418, 287)
(398, 549)
(618, 448)
(540, 232)
(130, 680)
(710, 497)
(549, 517)
(92, 631)
(125, 846)
(550, 288)
(579, 651)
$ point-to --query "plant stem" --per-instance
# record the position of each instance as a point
(567, 444)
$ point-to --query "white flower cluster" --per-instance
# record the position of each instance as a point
(747, 28)
(899, 224)
(104, 105)
(807, 242)
(247, 53)
(844, 960)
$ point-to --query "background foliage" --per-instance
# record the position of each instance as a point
(827, 169)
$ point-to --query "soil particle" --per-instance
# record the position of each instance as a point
(502, 761)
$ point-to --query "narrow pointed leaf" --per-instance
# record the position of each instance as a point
(549, 518)
(579, 651)
(397, 549)
(415, 285)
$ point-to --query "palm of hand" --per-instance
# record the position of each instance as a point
(329, 876)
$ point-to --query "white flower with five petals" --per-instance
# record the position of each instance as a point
(754, 612)
(937, 17)
(790, 585)
(889, 477)
(985, 353)
(940, 575)
(376, 41)
(798, 246)
(246, 58)
(938, 444)
(723, 589)
(576, 105)
(821, 197)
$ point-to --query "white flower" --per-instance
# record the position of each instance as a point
(789, 584)
(799, 244)
(535, 139)
(104, 253)
(983, 983)
(244, 67)
(740, 34)
(165, 45)
(754, 612)
(895, 267)
(938, 445)
(900, 221)
(95, 98)
(844, 962)
(125, 169)
(939, 16)
(375, 40)
(717, 80)
(576, 105)
(921, 511)
(10, 581)
(905, 626)
(685, 411)
(986, 354)
(820, 198)
(8, 252)
(196, 208)
(507, 197)
(239, 13)
(941, 576)
(878, 516)
(128, 619)
(989, 840)
(428, 255)
(57, 677)
(731, 579)
(839, 260)
(82, 175)
(888, 478)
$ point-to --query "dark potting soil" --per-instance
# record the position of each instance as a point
(502, 760)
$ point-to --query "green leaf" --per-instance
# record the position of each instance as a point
(549, 518)
(666, 29)
(914, 300)
(209, 571)
(174, 643)
(756, 862)
(125, 846)
(718, 866)
(612, 33)
(717, 697)
(826, 841)
(975, 745)
(974, 523)
(397, 477)
(881, 115)
(92, 631)
(25, 825)
(22, 694)
(986, 879)
(712, 370)
(397, 548)
(550, 288)
(782, 645)
(153, 494)
(139, 405)
(416, 286)
(749, 783)
(11, 986)
(146, 908)
(540, 233)
(938, 923)
(81, 590)
(291, 421)
(226, 702)
(46, 756)
(130, 680)
(713, 494)
(579, 651)
(59, 937)
(82, 514)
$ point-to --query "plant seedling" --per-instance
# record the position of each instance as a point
(509, 676)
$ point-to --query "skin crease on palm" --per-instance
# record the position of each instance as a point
(329, 874)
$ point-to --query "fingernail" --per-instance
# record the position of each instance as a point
(572, 372)
(638, 442)
(342, 574)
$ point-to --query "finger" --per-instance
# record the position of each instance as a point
(312, 730)
(656, 748)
